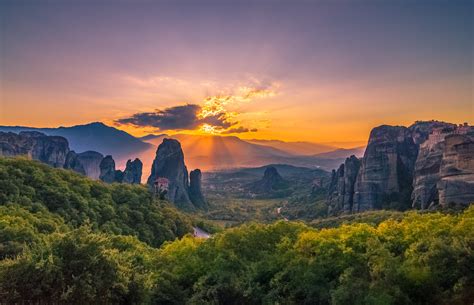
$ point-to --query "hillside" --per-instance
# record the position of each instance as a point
(34, 188)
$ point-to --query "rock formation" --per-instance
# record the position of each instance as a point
(169, 164)
(341, 188)
(195, 192)
(269, 184)
(427, 164)
(456, 184)
(51, 150)
(107, 170)
(133, 172)
(73, 163)
(90, 161)
(386, 172)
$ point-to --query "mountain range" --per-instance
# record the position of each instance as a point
(207, 152)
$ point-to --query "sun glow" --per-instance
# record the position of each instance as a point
(206, 128)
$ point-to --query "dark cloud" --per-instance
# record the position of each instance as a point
(184, 117)
(239, 130)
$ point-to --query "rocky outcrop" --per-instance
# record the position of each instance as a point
(107, 170)
(73, 163)
(169, 164)
(456, 184)
(427, 164)
(195, 191)
(386, 172)
(90, 161)
(133, 172)
(51, 150)
(271, 185)
(341, 188)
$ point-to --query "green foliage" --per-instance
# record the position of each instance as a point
(418, 259)
(65, 239)
(117, 208)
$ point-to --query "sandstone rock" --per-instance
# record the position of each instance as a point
(195, 190)
(335, 199)
(386, 172)
(107, 170)
(169, 164)
(133, 172)
(51, 150)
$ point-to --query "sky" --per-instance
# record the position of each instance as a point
(320, 71)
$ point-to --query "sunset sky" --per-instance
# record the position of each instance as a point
(319, 71)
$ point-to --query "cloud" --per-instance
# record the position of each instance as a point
(183, 117)
(239, 129)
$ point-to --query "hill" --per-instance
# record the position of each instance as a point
(78, 200)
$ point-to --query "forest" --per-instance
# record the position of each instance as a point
(65, 239)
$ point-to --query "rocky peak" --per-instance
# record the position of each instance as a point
(133, 172)
(195, 189)
(386, 172)
(169, 164)
(73, 163)
(107, 169)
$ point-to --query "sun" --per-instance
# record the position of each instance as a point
(206, 128)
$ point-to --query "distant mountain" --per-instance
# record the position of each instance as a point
(343, 153)
(94, 136)
(295, 148)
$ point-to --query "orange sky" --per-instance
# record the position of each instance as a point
(305, 72)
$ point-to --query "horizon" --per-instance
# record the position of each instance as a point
(312, 72)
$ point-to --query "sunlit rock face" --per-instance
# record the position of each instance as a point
(169, 164)
(133, 172)
(51, 150)
(386, 172)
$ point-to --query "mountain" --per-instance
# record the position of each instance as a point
(94, 136)
(295, 148)
(343, 153)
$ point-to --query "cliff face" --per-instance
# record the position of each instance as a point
(341, 188)
(90, 161)
(427, 164)
(35, 145)
(169, 164)
(133, 172)
(456, 184)
(107, 170)
(195, 191)
(73, 163)
(386, 171)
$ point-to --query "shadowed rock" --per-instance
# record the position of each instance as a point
(133, 172)
(73, 163)
(169, 164)
(195, 191)
(107, 169)
(35, 145)
(90, 161)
